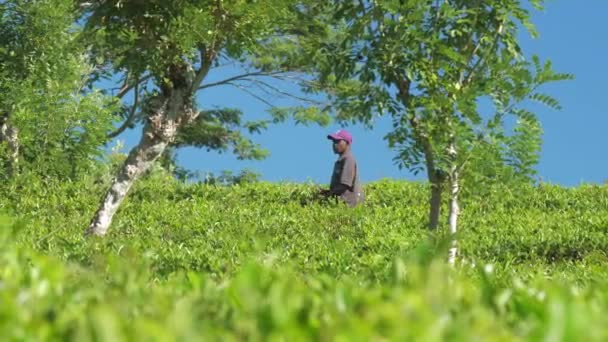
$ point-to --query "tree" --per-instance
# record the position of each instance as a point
(10, 135)
(429, 64)
(51, 125)
(173, 45)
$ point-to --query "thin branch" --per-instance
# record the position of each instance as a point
(262, 84)
(288, 78)
(209, 53)
(478, 62)
(207, 56)
(362, 5)
(403, 86)
(131, 116)
(236, 78)
(516, 103)
(125, 84)
(259, 98)
(228, 64)
(126, 88)
(474, 51)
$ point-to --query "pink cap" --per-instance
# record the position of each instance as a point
(341, 135)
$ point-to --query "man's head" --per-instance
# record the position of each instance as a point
(342, 140)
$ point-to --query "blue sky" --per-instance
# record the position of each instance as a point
(574, 36)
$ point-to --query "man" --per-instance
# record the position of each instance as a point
(345, 177)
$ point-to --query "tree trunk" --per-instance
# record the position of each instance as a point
(437, 180)
(139, 161)
(169, 112)
(454, 209)
(435, 202)
(10, 134)
(435, 176)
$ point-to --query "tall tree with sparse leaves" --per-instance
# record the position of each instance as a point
(430, 65)
(165, 50)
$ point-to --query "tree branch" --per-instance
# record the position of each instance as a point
(208, 53)
(274, 89)
(131, 116)
(473, 69)
(403, 85)
(236, 78)
(427, 149)
(288, 78)
(126, 87)
(207, 56)
(256, 96)
(123, 89)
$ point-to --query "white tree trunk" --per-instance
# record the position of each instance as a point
(169, 113)
(139, 161)
(454, 208)
(10, 134)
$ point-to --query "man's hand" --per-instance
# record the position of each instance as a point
(324, 192)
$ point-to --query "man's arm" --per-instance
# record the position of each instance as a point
(347, 178)
(339, 189)
(336, 190)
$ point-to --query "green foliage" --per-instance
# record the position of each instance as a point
(429, 65)
(153, 35)
(62, 132)
(219, 130)
(229, 178)
(33, 34)
(301, 115)
(42, 89)
(168, 162)
(264, 261)
(253, 262)
(164, 45)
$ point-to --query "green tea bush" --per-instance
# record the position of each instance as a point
(266, 261)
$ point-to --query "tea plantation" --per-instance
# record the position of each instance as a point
(265, 261)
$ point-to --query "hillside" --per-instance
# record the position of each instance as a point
(263, 260)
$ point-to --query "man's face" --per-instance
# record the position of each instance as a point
(340, 146)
